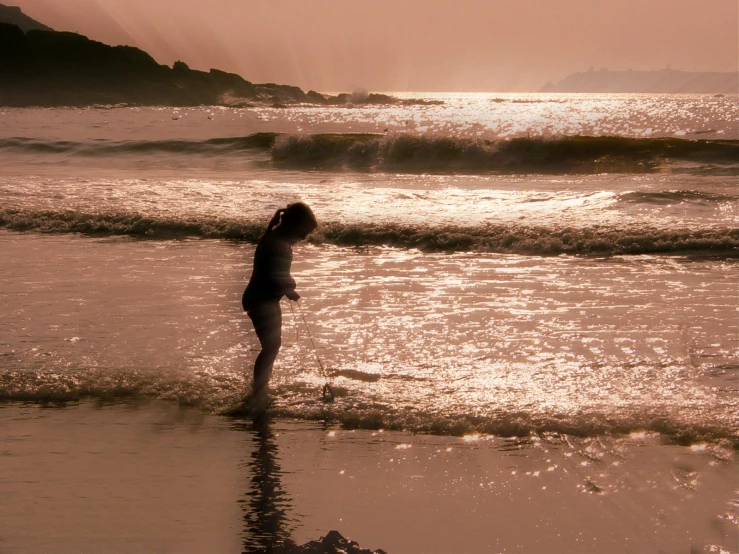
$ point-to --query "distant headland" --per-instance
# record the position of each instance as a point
(662, 81)
(14, 16)
(43, 67)
(47, 68)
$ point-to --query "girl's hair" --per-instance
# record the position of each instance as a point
(297, 214)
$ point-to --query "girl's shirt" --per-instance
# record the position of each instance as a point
(270, 277)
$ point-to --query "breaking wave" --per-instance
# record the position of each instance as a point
(501, 238)
(677, 196)
(223, 145)
(422, 153)
(222, 395)
(410, 152)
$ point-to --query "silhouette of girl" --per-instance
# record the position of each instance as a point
(270, 281)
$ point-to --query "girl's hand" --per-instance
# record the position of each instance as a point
(292, 295)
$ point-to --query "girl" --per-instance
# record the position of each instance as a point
(270, 281)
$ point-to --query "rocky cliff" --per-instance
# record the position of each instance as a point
(43, 67)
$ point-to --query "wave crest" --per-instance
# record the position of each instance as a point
(676, 196)
(409, 152)
(221, 145)
(512, 239)
(220, 395)
(428, 153)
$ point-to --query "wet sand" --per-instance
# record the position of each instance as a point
(150, 476)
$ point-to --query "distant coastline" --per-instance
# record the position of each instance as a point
(661, 81)
(41, 67)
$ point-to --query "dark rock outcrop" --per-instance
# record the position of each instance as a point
(332, 543)
(49, 68)
(14, 16)
(363, 98)
(43, 67)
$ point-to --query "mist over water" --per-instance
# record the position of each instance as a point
(494, 263)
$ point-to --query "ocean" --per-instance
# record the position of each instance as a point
(503, 264)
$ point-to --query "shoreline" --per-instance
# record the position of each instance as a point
(172, 479)
(319, 412)
(181, 335)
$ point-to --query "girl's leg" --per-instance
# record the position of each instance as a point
(267, 320)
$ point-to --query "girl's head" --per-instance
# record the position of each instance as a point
(296, 221)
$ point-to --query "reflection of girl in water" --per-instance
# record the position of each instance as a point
(268, 506)
(270, 281)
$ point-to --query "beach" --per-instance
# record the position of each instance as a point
(122, 476)
(527, 355)
(91, 452)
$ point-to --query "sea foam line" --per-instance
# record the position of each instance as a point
(222, 394)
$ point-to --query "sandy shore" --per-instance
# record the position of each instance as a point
(140, 476)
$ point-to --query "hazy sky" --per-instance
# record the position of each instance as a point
(422, 45)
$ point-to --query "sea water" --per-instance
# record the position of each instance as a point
(499, 263)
